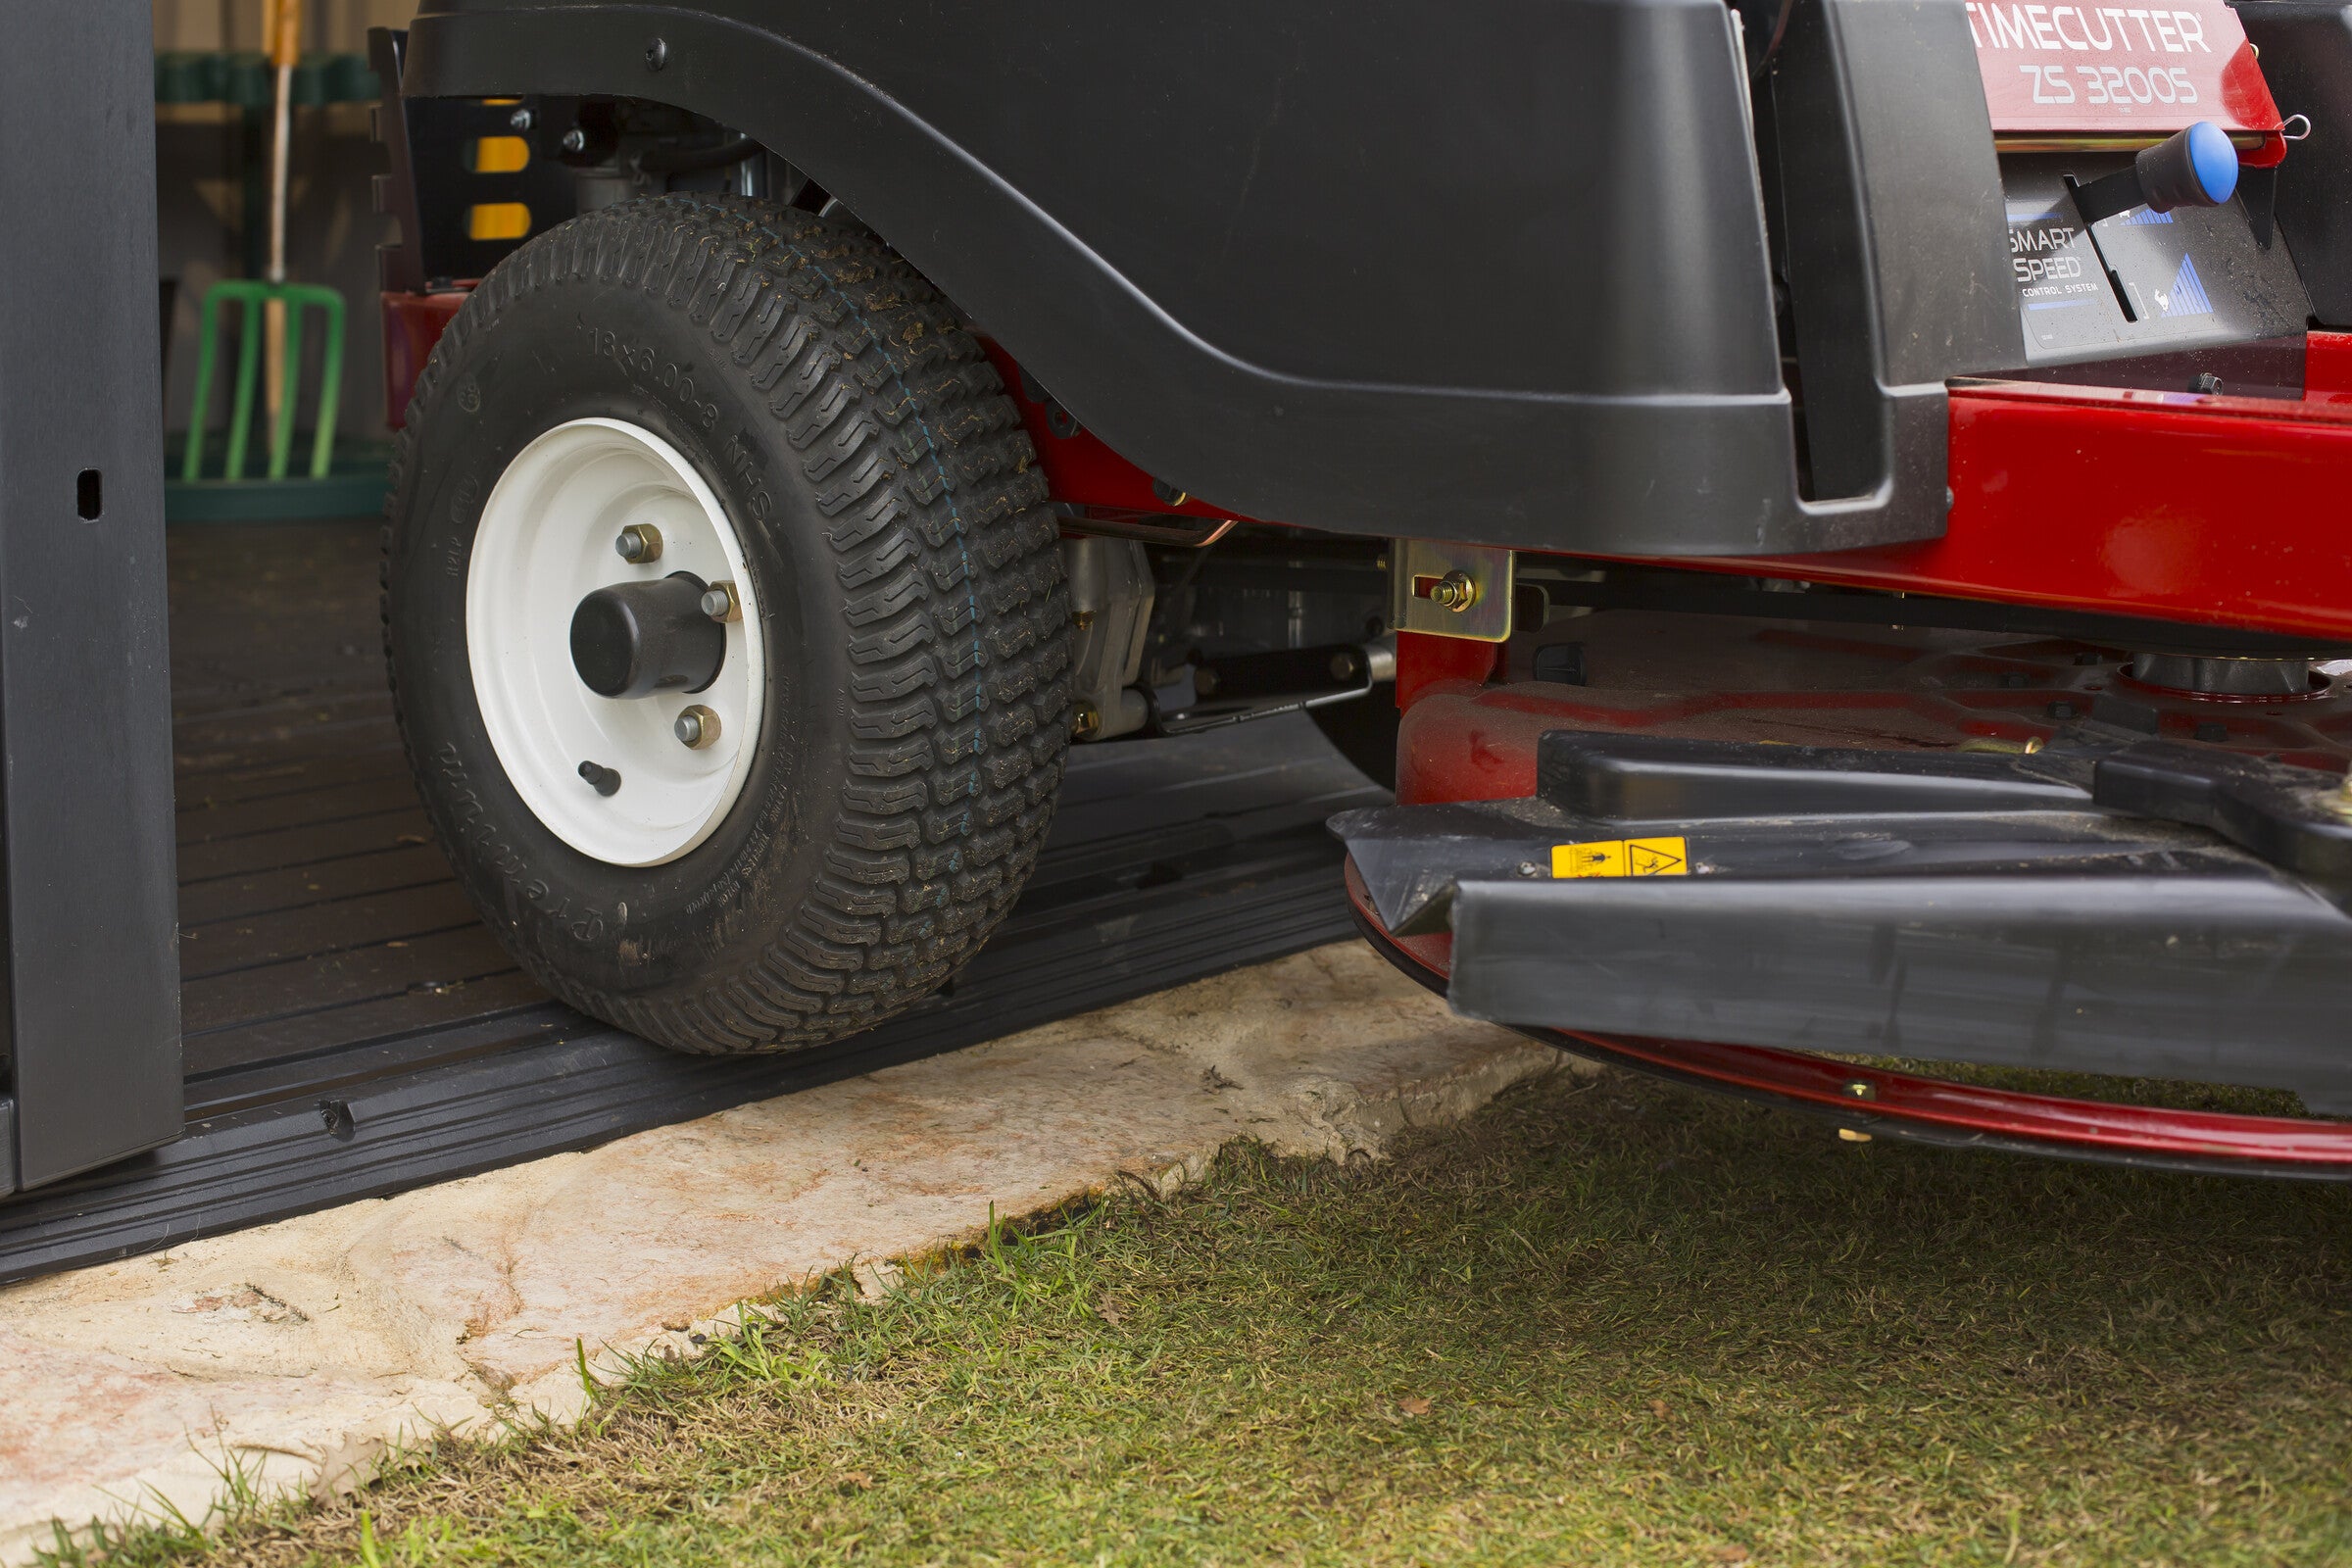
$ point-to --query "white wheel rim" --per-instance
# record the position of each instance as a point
(546, 540)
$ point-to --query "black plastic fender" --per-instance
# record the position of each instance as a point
(1495, 272)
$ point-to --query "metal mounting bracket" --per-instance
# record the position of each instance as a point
(1447, 590)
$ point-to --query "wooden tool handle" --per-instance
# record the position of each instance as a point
(281, 31)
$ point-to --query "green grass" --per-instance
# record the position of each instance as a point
(1610, 1321)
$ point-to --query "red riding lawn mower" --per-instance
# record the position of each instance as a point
(1835, 516)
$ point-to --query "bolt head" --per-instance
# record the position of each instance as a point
(575, 140)
(697, 727)
(657, 55)
(520, 120)
(1455, 591)
(1343, 665)
(639, 543)
(1530, 869)
(1085, 721)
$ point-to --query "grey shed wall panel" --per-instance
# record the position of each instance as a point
(85, 749)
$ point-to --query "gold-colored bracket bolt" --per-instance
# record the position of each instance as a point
(639, 544)
(1085, 721)
(1455, 591)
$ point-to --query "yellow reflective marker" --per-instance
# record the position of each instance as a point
(1622, 857)
(498, 221)
(500, 155)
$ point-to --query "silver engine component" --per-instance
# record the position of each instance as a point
(2224, 675)
(1110, 611)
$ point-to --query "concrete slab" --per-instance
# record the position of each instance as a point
(294, 1353)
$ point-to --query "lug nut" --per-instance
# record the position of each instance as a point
(1455, 591)
(640, 544)
(696, 728)
(720, 603)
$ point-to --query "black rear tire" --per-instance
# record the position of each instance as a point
(910, 601)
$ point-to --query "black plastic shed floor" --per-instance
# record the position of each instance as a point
(351, 1028)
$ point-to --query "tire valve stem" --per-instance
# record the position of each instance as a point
(640, 544)
(604, 780)
(721, 603)
(697, 727)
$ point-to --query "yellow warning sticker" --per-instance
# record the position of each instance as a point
(1622, 857)
(1604, 858)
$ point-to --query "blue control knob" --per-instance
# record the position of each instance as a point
(2193, 168)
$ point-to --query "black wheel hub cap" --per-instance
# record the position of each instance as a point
(634, 639)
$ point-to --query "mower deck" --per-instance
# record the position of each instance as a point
(1888, 871)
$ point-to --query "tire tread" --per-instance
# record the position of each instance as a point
(949, 597)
